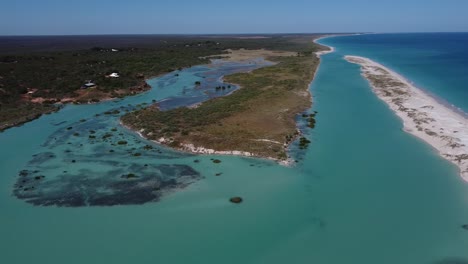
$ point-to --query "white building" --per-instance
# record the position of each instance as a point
(88, 84)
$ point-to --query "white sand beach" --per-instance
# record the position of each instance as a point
(323, 52)
(422, 115)
(190, 148)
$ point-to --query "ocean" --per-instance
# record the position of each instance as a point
(363, 192)
(435, 62)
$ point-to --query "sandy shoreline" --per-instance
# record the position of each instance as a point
(190, 148)
(422, 115)
(332, 49)
(323, 52)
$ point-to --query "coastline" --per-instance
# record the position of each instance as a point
(60, 103)
(27, 119)
(190, 148)
(324, 52)
(200, 150)
(321, 53)
(423, 116)
(332, 49)
(187, 145)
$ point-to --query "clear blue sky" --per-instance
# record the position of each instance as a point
(58, 17)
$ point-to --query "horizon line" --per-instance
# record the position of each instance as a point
(223, 34)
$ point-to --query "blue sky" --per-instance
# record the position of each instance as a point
(54, 17)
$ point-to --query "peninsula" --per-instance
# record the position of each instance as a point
(256, 120)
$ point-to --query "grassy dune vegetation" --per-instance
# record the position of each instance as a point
(56, 72)
(258, 118)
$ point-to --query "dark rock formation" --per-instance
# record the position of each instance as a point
(236, 200)
(76, 190)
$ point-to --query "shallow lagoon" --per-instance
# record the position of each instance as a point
(95, 161)
(364, 192)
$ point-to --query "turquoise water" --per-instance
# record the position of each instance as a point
(436, 62)
(364, 192)
(89, 159)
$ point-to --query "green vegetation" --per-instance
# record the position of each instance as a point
(20, 113)
(106, 135)
(310, 119)
(31, 82)
(258, 118)
(148, 147)
(303, 143)
(129, 176)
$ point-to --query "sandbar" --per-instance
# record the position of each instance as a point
(423, 116)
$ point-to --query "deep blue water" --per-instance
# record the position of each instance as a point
(436, 62)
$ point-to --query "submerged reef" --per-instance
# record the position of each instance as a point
(148, 184)
(86, 164)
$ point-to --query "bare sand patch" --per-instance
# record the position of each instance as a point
(243, 55)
